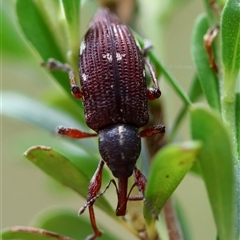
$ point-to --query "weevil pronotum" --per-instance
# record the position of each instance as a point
(115, 98)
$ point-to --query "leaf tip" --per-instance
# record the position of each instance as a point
(38, 147)
(190, 145)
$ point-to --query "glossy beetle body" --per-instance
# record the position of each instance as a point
(115, 98)
(112, 74)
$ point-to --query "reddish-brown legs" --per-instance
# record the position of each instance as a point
(152, 131)
(93, 190)
(121, 189)
(53, 64)
(74, 133)
(152, 93)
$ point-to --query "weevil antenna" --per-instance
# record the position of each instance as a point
(146, 202)
(92, 200)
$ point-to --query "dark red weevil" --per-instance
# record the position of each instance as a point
(115, 99)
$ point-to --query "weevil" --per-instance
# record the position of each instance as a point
(115, 99)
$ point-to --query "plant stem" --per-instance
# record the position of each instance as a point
(173, 226)
(159, 67)
(229, 116)
(172, 81)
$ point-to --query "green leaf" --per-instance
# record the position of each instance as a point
(36, 30)
(230, 33)
(40, 22)
(72, 9)
(206, 75)
(72, 14)
(216, 163)
(168, 168)
(18, 49)
(68, 223)
(65, 172)
(29, 233)
(237, 122)
(29, 110)
(83, 153)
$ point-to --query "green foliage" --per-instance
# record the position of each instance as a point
(207, 77)
(169, 167)
(53, 30)
(230, 24)
(215, 166)
(62, 170)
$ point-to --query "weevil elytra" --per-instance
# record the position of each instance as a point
(115, 98)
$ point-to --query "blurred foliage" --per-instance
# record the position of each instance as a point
(38, 29)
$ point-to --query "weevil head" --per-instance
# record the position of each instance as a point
(120, 146)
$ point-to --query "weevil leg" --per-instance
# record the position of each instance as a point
(152, 131)
(141, 182)
(53, 64)
(97, 232)
(152, 93)
(74, 133)
(93, 190)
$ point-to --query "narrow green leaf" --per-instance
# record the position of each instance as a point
(237, 122)
(29, 110)
(64, 171)
(230, 33)
(36, 30)
(72, 10)
(206, 75)
(44, 34)
(169, 167)
(72, 14)
(216, 164)
(29, 233)
(68, 223)
(10, 33)
(211, 14)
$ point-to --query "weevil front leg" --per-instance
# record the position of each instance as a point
(53, 64)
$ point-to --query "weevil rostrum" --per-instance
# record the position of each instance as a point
(115, 98)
